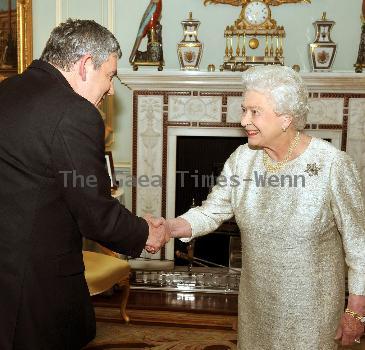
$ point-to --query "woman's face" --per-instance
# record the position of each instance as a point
(262, 125)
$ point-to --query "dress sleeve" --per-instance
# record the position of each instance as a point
(217, 208)
(78, 160)
(347, 203)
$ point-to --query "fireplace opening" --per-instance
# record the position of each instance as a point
(199, 161)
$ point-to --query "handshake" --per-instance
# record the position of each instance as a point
(159, 233)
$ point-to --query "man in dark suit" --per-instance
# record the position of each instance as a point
(54, 190)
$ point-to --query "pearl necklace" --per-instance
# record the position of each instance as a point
(276, 166)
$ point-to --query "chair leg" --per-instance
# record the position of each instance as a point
(123, 305)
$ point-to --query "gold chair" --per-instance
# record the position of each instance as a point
(103, 271)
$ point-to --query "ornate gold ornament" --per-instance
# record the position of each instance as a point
(211, 67)
(253, 25)
(253, 43)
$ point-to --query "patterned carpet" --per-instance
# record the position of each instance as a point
(167, 330)
(116, 336)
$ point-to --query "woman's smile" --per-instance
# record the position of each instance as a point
(251, 133)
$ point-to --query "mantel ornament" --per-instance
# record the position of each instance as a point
(254, 29)
(189, 50)
(323, 49)
(151, 27)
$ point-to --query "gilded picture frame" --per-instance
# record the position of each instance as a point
(16, 42)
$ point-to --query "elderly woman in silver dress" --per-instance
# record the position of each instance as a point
(302, 225)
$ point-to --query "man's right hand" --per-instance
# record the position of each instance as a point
(159, 233)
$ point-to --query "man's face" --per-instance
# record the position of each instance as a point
(99, 82)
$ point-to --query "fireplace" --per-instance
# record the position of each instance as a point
(172, 104)
(194, 155)
(199, 161)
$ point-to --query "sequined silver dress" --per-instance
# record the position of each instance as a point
(297, 228)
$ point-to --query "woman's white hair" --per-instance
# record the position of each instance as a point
(284, 86)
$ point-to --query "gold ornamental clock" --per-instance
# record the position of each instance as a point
(255, 13)
(255, 37)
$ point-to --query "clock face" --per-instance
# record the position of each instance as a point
(256, 13)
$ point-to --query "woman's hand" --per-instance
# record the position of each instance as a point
(180, 228)
(351, 329)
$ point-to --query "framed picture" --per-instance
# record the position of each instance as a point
(16, 49)
(111, 171)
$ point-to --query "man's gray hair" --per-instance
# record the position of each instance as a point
(284, 86)
(75, 38)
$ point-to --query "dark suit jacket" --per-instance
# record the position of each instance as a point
(48, 136)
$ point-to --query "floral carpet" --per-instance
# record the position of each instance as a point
(116, 336)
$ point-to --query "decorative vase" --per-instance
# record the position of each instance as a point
(323, 49)
(189, 50)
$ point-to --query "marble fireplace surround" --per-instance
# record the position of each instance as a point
(169, 104)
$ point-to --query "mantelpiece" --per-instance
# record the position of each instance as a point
(170, 104)
(175, 79)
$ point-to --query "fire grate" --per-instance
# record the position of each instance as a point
(212, 280)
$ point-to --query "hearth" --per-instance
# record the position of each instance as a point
(208, 280)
